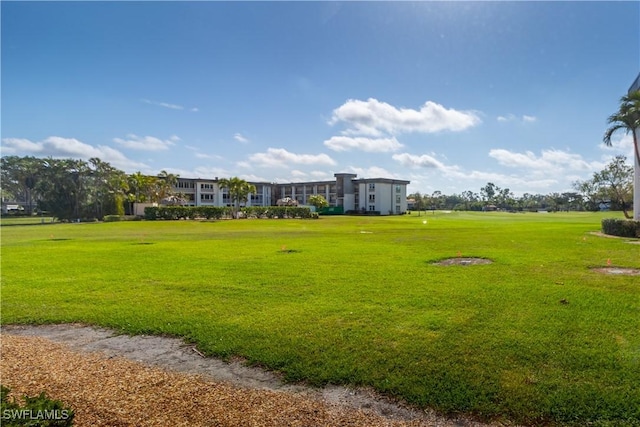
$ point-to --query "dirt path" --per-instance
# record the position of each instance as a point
(120, 380)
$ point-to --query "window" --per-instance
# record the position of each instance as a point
(397, 199)
(397, 209)
(206, 186)
(398, 189)
(207, 196)
(372, 207)
(186, 184)
(372, 197)
(372, 186)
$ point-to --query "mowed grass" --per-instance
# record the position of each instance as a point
(536, 337)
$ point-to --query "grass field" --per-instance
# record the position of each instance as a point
(535, 337)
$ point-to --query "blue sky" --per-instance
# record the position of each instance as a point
(448, 95)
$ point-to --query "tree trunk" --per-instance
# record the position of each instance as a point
(636, 176)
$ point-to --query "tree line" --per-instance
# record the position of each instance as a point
(611, 187)
(71, 189)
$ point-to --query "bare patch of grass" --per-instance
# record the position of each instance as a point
(618, 271)
(463, 261)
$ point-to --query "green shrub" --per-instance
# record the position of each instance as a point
(151, 212)
(37, 411)
(116, 218)
(215, 212)
(621, 227)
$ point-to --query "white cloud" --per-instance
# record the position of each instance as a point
(414, 161)
(19, 145)
(513, 118)
(321, 175)
(374, 118)
(550, 161)
(208, 156)
(372, 145)
(164, 104)
(146, 143)
(253, 178)
(240, 138)
(528, 179)
(372, 172)
(59, 147)
(172, 106)
(276, 157)
(169, 106)
(298, 174)
(205, 172)
(623, 144)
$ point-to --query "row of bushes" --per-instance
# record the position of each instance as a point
(215, 212)
(116, 218)
(621, 227)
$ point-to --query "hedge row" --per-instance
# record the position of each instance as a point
(621, 227)
(215, 212)
(116, 218)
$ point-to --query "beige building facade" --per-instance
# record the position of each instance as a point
(382, 196)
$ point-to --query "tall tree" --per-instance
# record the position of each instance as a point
(612, 185)
(138, 185)
(164, 185)
(238, 190)
(108, 188)
(64, 186)
(19, 177)
(615, 180)
(418, 202)
(488, 192)
(627, 118)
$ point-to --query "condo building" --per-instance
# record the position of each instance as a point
(374, 195)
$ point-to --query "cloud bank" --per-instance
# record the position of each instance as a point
(146, 143)
(59, 147)
(375, 118)
(277, 157)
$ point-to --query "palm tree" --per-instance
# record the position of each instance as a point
(627, 118)
(165, 185)
(238, 190)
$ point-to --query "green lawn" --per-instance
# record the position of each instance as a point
(357, 300)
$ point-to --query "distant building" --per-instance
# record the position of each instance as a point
(376, 195)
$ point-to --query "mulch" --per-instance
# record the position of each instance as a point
(115, 391)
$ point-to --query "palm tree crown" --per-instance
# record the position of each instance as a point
(627, 118)
(238, 190)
